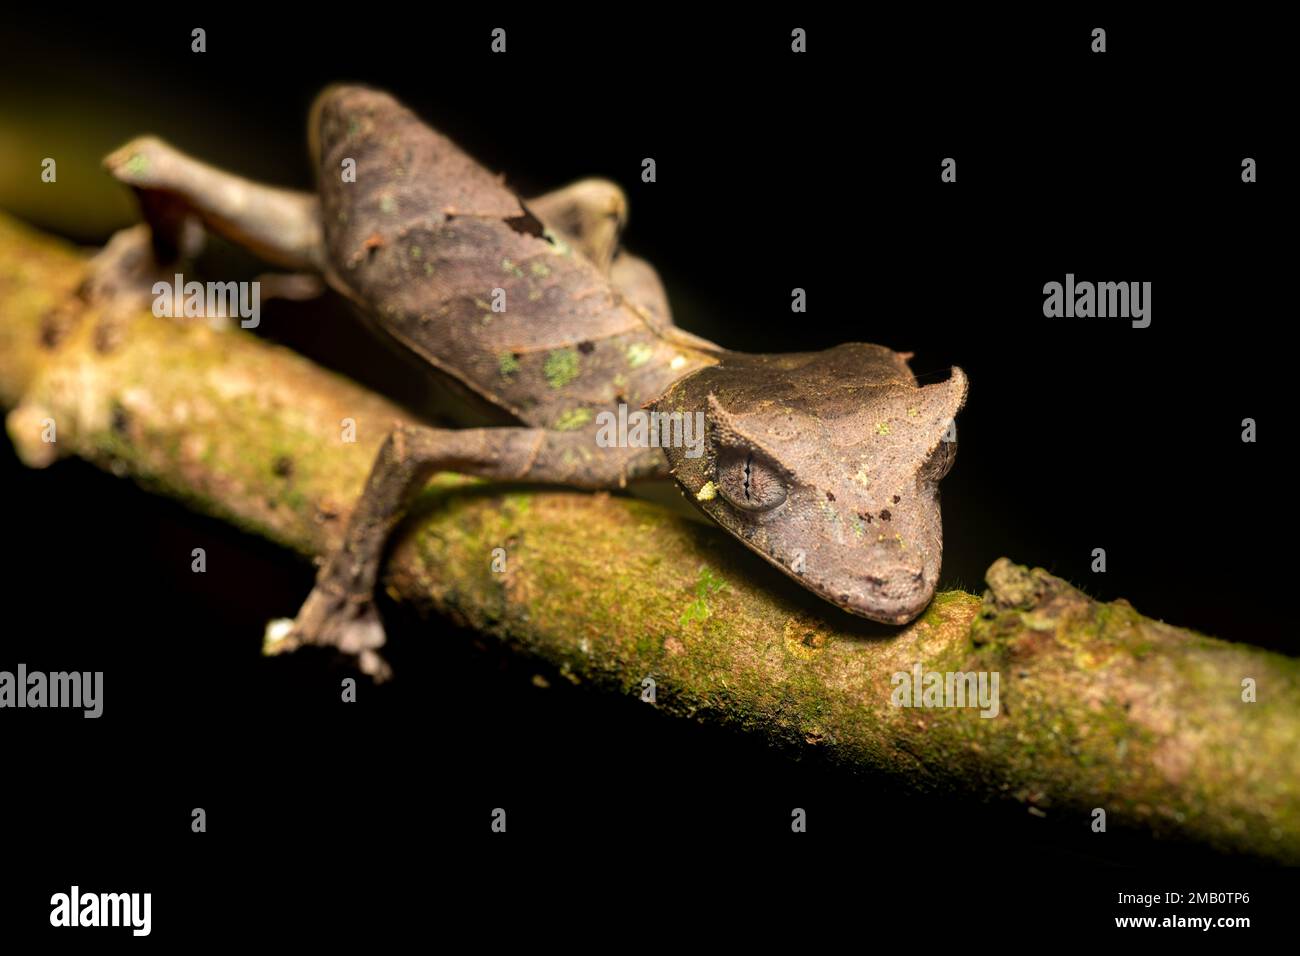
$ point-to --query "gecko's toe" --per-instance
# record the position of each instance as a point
(331, 618)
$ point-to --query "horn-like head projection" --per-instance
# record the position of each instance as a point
(827, 464)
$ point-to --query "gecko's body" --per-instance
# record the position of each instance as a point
(825, 463)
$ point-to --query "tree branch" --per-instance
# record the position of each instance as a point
(1099, 706)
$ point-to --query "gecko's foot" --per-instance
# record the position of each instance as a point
(331, 617)
(121, 276)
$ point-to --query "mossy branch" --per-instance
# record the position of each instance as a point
(1099, 706)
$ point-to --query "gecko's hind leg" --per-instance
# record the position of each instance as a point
(340, 611)
(281, 226)
(181, 198)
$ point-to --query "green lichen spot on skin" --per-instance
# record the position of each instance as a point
(882, 428)
(573, 419)
(137, 165)
(913, 412)
(416, 252)
(534, 295)
(387, 205)
(707, 493)
(561, 367)
(539, 269)
(638, 353)
(428, 268)
(512, 269)
(508, 364)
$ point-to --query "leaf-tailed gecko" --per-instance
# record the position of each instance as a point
(826, 463)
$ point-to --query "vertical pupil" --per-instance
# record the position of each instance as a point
(748, 462)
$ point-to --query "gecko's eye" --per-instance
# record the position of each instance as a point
(940, 461)
(748, 480)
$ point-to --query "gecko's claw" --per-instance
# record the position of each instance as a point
(330, 617)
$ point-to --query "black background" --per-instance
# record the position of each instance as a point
(774, 171)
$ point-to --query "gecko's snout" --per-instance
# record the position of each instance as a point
(895, 593)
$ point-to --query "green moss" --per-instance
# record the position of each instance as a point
(706, 584)
(697, 610)
(562, 367)
(519, 505)
(649, 645)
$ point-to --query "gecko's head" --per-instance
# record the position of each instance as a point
(827, 464)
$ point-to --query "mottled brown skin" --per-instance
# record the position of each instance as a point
(825, 463)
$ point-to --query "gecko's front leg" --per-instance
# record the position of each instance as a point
(340, 611)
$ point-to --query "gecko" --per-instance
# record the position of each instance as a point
(826, 463)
